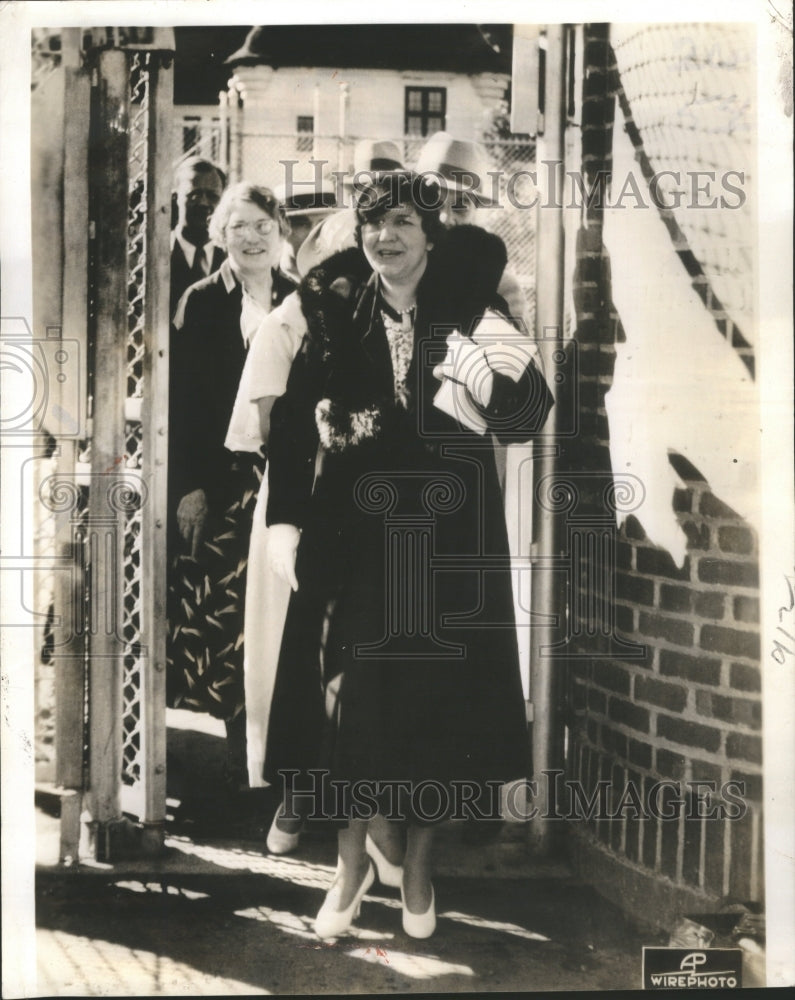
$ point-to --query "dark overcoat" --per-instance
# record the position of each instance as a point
(207, 358)
(182, 276)
(399, 659)
(206, 594)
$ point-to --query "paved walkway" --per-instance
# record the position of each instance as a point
(217, 915)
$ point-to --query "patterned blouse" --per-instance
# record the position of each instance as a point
(399, 328)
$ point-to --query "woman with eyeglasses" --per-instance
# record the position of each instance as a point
(264, 379)
(398, 693)
(212, 490)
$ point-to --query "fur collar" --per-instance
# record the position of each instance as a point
(339, 301)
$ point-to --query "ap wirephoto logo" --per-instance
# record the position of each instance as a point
(687, 969)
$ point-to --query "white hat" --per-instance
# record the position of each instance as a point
(373, 157)
(306, 197)
(462, 165)
(376, 155)
(337, 232)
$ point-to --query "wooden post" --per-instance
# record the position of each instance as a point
(345, 90)
(108, 163)
(223, 149)
(69, 595)
(46, 225)
(546, 601)
(155, 453)
(235, 137)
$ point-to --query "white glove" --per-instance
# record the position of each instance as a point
(282, 547)
(466, 364)
(191, 518)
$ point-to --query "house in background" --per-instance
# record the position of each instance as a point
(253, 99)
(201, 81)
(310, 91)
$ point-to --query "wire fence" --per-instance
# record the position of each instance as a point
(197, 135)
(271, 159)
(687, 95)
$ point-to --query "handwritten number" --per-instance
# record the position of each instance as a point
(786, 608)
(779, 651)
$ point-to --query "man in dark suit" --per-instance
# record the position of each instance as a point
(198, 185)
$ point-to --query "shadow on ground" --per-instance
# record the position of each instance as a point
(218, 914)
(254, 928)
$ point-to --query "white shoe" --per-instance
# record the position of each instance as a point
(419, 925)
(388, 874)
(331, 922)
(279, 842)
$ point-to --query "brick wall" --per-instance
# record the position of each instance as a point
(687, 706)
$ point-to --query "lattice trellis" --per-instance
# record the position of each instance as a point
(117, 94)
(131, 625)
(133, 459)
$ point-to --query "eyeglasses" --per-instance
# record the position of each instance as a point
(262, 227)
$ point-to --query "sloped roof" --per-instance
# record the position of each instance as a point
(200, 69)
(461, 48)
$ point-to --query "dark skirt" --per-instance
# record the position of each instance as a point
(206, 602)
(399, 663)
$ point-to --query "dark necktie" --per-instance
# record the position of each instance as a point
(197, 271)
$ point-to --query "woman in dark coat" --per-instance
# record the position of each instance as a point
(212, 491)
(392, 535)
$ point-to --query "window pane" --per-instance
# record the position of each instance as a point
(305, 126)
(425, 110)
(414, 99)
(190, 137)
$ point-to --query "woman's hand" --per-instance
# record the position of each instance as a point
(282, 546)
(191, 518)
